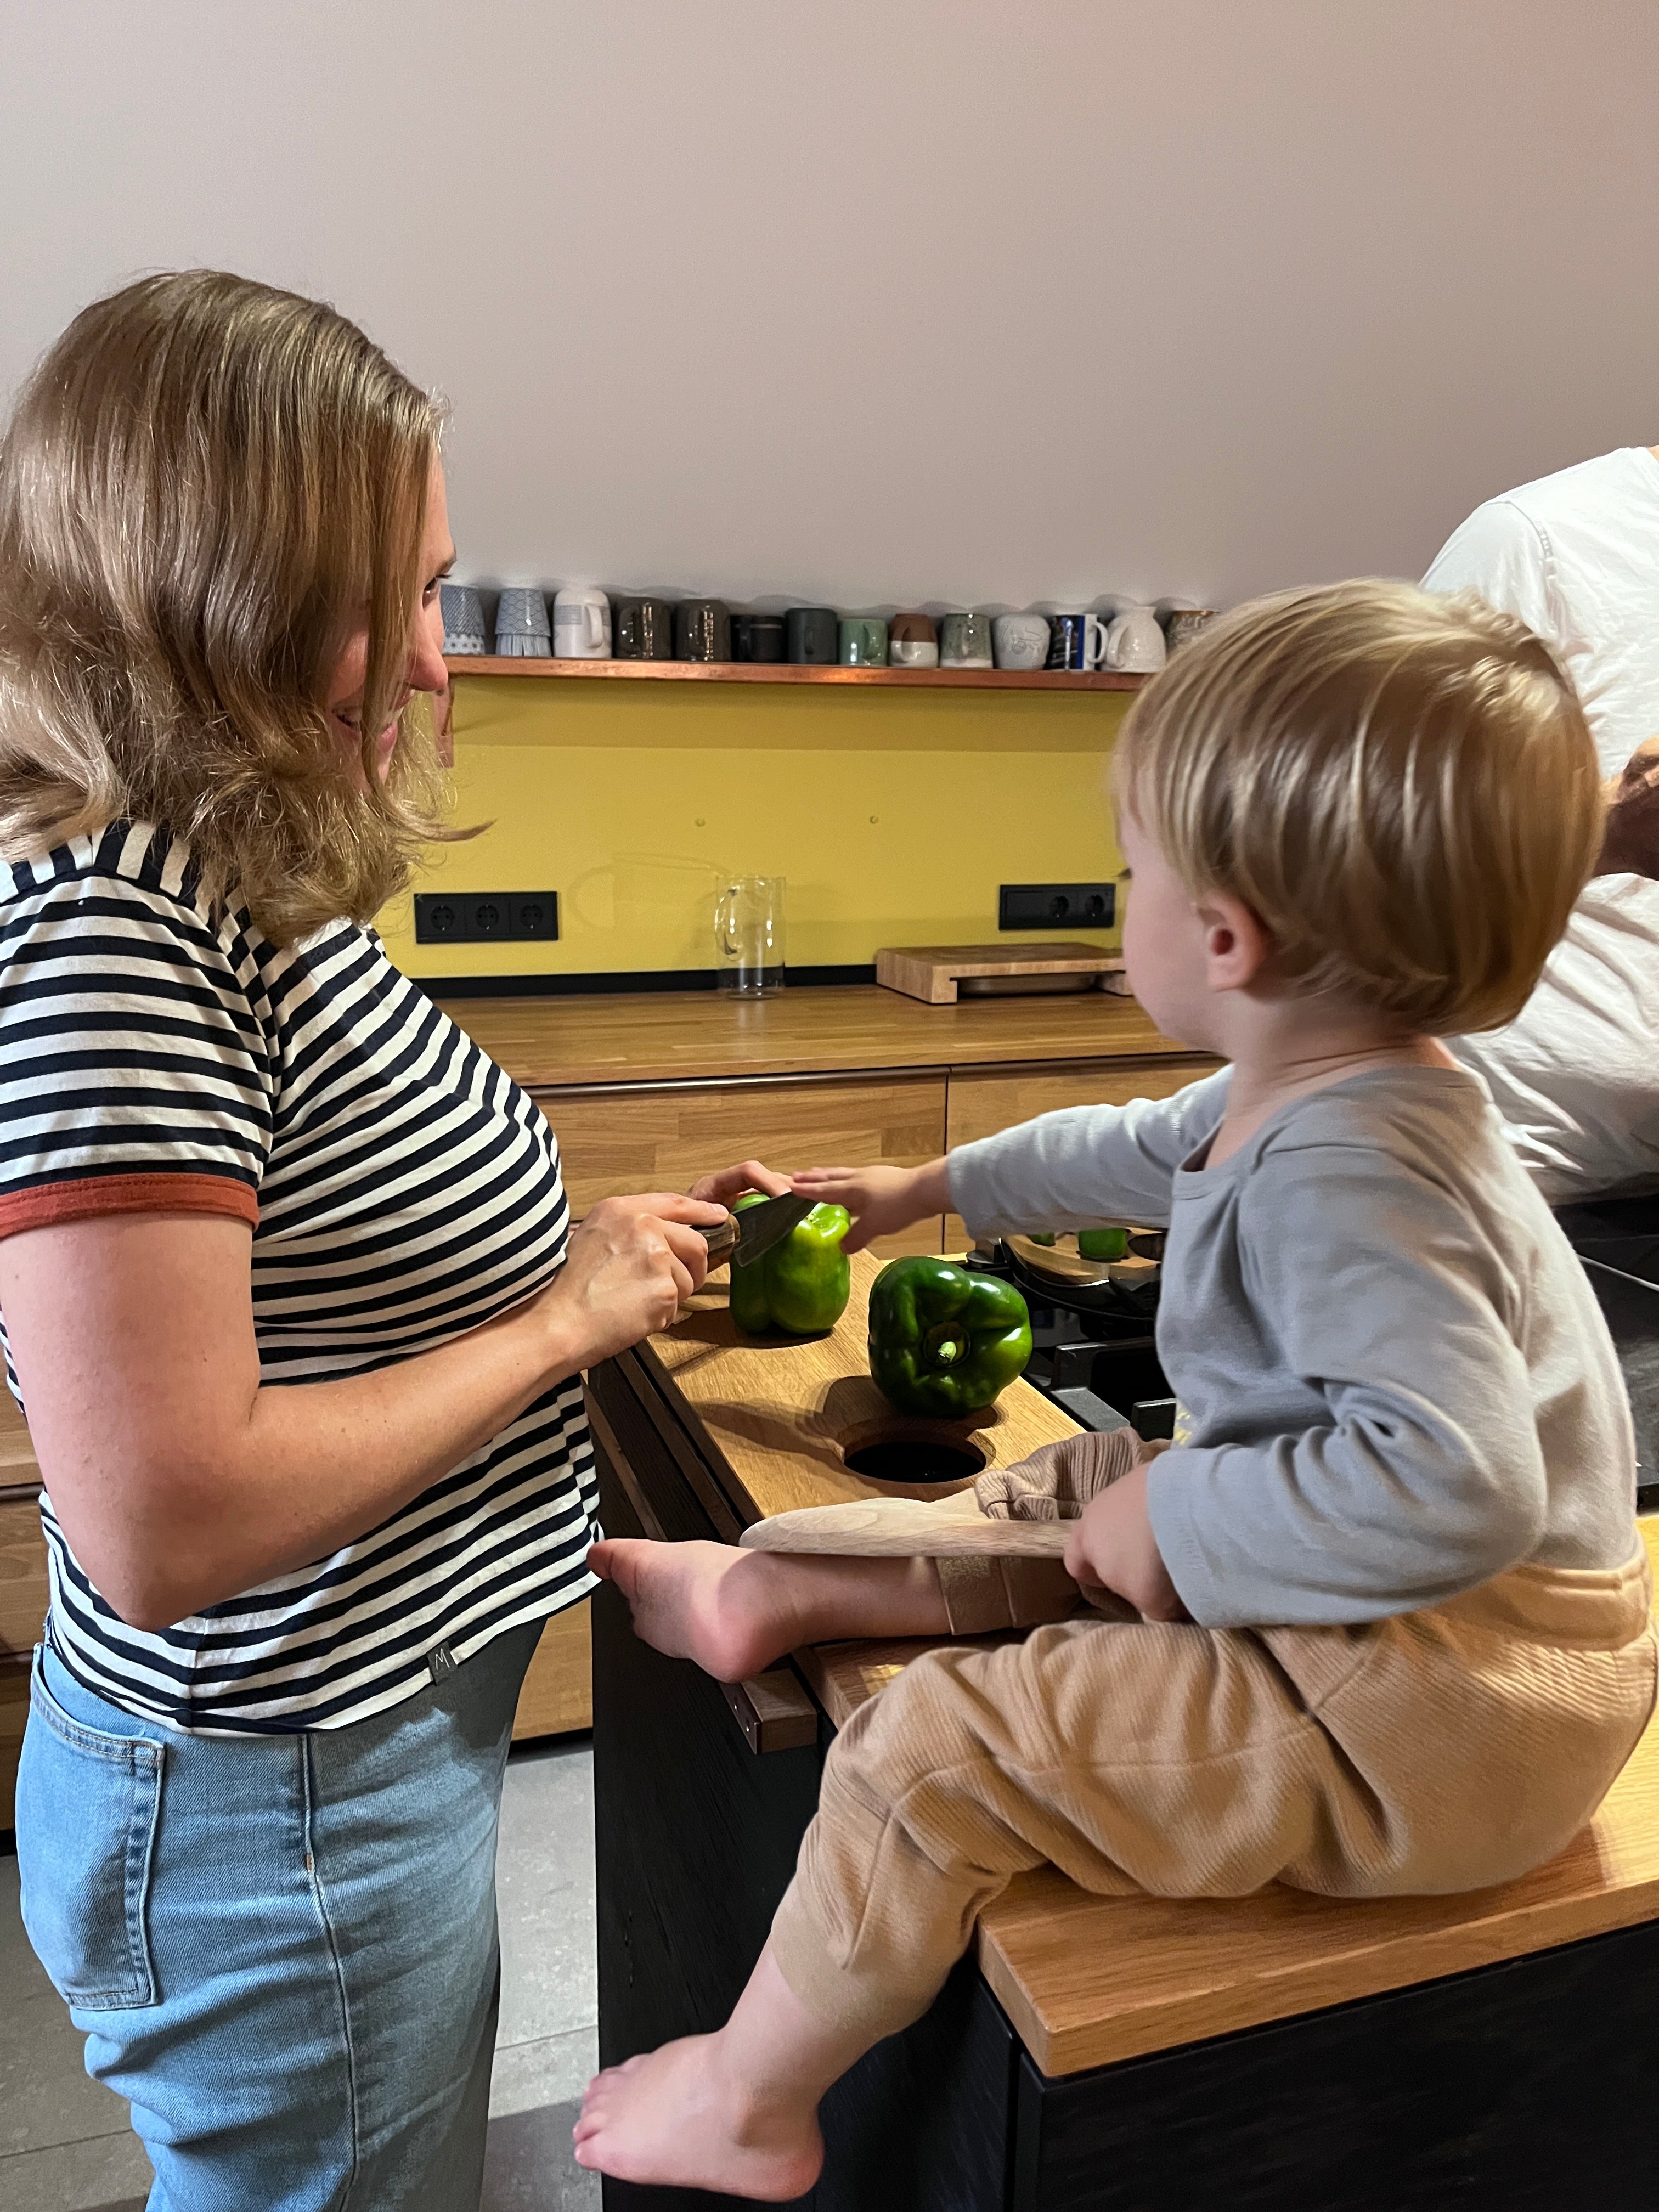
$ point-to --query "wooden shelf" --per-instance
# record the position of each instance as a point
(771, 672)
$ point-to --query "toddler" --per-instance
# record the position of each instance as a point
(1393, 1609)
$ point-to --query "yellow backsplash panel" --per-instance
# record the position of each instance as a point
(894, 815)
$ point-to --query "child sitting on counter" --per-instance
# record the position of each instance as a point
(1393, 1629)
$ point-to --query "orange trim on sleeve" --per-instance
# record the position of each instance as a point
(50, 1205)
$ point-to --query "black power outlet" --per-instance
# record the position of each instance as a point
(484, 917)
(1057, 905)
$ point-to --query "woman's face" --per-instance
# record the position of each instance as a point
(426, 671)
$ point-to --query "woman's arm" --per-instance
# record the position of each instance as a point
(180, 1480)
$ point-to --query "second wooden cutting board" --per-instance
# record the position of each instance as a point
(783, 1413)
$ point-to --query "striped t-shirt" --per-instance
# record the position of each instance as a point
(401, 1190)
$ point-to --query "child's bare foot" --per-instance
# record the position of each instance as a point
(672, 2118)
(724, 1609)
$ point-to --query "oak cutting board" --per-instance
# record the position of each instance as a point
(780, 1412)
(932, 972)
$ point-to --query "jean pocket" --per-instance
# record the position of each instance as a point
(87, 1809)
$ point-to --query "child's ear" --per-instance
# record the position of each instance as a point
(1237, 943)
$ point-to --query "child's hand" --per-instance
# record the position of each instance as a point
(1112, 1546)
(881, 1201)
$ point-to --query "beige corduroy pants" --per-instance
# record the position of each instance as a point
(1438, 1751)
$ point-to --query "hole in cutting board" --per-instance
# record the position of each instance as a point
(915, 1459)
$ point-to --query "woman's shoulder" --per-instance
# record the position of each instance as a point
(145, 866)
(119, 914)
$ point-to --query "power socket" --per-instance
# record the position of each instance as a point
(485, 917)
(1057, 905)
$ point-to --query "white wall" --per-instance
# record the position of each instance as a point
(883, 301)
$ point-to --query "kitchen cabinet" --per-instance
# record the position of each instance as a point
(661, 1136)
(1091, 2054)
(982, 1102)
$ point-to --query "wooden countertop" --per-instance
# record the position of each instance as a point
(774, 1417)
(1090, 1980)
(705, 1037)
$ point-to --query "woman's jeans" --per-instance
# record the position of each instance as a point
(282, 1948)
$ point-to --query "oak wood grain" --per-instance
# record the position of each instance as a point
(777, 1417)
(621, 1144)
(23, 1588)
(983, 1102)
(557, 1694)
(18, 1464)
(655, 1037)
(13, 1713)
(933, 972)
(783, 671)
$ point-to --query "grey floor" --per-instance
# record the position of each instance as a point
(64, 2143)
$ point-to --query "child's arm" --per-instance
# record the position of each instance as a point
(881, 1201)
(1064, 1170)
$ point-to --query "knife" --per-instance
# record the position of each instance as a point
(745, 1236)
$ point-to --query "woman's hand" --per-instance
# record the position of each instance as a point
(880, 1200)
(1111, 1546)
(627, 1270)
(727, 1185)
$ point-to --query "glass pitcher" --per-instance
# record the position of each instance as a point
(749, 935)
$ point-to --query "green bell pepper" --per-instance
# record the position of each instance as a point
(945, 1340)
(1103, 1244)
(800, 1287)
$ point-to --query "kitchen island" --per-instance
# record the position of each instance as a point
(1122, 2054)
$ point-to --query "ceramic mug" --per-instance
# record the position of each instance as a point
(811, 636)
(464, 619)
(1075, 642)
(863, 641)
(643, 629)
(1021, 641)
(1134, 643)
(522, 629)
(912, 643)
(581, 623)
(964, 641)
(757, 637)
(703, 630)
(749, 935)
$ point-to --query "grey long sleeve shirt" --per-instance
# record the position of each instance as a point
(1393, 1377)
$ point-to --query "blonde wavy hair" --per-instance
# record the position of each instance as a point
(206, 486)
(1401, 786)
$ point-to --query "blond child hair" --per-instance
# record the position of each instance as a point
(1402, 787)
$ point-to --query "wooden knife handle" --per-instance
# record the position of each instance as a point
(721, 1237)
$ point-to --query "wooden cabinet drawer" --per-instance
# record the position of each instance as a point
(23, 1577)
(558, 1688)
(664, 1136)
(980, 1105)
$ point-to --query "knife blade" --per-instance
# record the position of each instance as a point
(757, 1229)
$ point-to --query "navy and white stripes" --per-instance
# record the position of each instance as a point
(401, 1190)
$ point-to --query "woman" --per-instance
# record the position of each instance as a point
(290, 1295)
